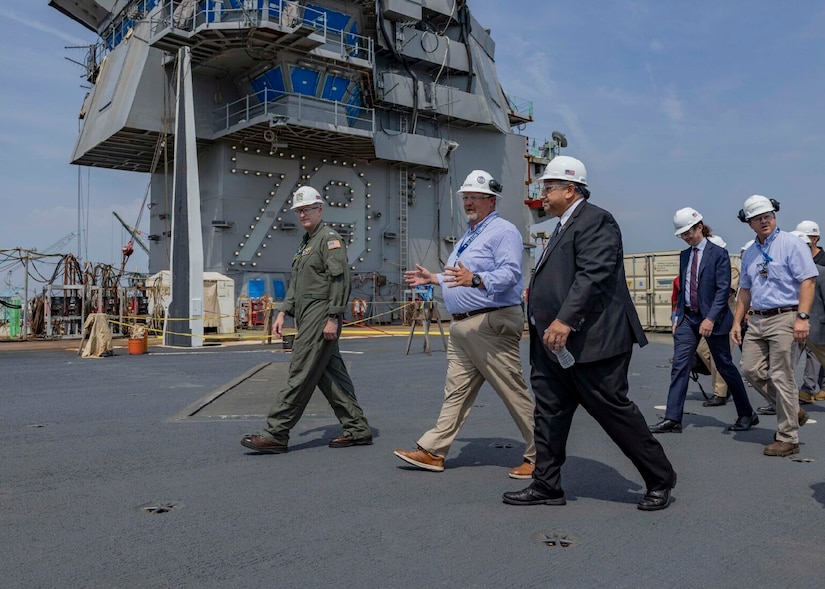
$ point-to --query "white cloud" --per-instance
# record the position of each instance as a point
(42, 27)
(673, 107)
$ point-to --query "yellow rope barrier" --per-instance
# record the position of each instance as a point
(270, 307)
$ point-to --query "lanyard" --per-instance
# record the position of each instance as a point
(466, 242)
(768, 243)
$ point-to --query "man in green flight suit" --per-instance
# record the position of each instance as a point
(317, 296)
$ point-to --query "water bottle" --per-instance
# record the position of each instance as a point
(565, 358)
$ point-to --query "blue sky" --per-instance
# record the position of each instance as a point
(669, 104)
(40, 100)
(673, 104)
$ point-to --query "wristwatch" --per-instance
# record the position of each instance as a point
(334, 315)
(476, 281)
(803, 316)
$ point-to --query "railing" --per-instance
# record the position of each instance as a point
(121, 24)
(295, 107)
(520, 106)
(188, 16)
(350, 44)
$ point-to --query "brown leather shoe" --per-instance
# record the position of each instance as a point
(345, 441)
(806, 397)
(523, 471)
(422, 459)
(820, 396)
(781, 449)
(261, 443)
(802, 417)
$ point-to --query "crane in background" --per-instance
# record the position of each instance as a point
(58, 245)
(128, 249)
(134, 233)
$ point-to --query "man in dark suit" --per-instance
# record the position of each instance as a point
(579, 301)
(702, 311)
(816, 336)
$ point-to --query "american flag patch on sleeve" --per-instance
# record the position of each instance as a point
(333, 244)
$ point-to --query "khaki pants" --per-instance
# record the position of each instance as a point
(720, 388)
(483, 348)
(768, 364)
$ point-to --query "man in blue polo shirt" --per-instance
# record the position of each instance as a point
(777, 283)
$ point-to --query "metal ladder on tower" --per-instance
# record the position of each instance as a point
(403, 203)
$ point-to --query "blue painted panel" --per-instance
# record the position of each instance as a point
(304, 81)
(273, 81)
(279, 289)
(336, 21)
(354, 105)
(208, 7)
(256, 288)
(335, 87)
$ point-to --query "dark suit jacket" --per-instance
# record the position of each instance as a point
(581, 281)
(817, 333)
(713, 287)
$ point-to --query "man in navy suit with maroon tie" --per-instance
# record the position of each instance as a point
(702, 311)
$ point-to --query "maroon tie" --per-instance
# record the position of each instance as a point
(694, 280)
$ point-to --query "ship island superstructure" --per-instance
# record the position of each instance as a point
(384, 106)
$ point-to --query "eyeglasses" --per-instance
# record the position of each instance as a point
(474, 197)
(761, 218)
(548, 188)
(305, 210)
(689, 231)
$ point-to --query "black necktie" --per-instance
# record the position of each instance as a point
(553, 237)
(555, 233)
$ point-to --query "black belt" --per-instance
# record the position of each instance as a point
(776, 311)
(460, 316)
(694, 311)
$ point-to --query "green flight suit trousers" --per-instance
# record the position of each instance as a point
(315, 362)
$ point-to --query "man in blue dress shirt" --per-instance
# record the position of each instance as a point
(776, 287)
(481, 285)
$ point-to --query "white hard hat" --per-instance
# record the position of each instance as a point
(802, 235)
(304, 197)
(717, 240)
(481, 181)
(564, 167)
(808, 228)
(756, 205)
(747, 245)
(684, 219)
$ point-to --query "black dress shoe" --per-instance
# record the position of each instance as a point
(345, 441)
(261, 443)
(533, 496)
(766, 410)
(715, 401)
(656, 499)
(744, 423)
(666, 426)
